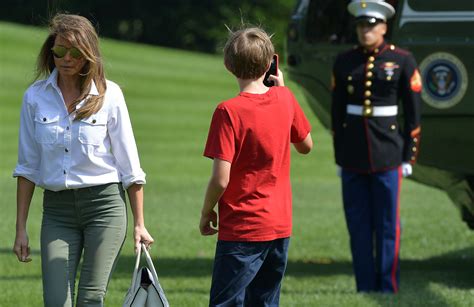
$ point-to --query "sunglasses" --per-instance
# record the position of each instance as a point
(61, 51)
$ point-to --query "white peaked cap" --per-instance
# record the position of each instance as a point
(371, 8)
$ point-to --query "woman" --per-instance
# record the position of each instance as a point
(76, 142)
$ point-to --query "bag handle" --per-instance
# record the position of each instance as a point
(151, 267)
(136, 285)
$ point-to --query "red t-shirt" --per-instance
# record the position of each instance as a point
(253, 132)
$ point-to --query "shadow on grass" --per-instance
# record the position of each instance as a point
(459, 265)
(454, 270)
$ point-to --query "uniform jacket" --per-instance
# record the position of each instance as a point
(386, 76)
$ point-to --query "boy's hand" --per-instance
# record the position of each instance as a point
(277, 79)
(205, 223)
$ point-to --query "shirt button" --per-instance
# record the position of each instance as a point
(44, 119)
(393, 127)
(371, 59)
(368, 83)
(415, 140)
(67, 128)
(66, 150)
(414, 149)
(369, 74)
(367, 102)
(94, 121)
(370, 66)
(367, 93)
(64, 172)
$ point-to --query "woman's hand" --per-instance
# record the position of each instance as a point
(21, 248)
(141, 235)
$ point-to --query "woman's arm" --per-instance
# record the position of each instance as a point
(25, 189)
(140, 233)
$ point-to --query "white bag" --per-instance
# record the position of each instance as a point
(145, 290)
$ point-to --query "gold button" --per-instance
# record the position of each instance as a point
(376, 50)
(392, 47)
(363, 5)
(413, 158)
(349, 78)
(368, 83)
(350, 89)
(371, 58)
(369, 74)
(415, 140)
(389, 78)
(367, 111)
(413, 149)
(367, 102)
(367, 93)
(370, 66)
(393, 127)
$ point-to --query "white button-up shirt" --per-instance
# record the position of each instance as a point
(57, 152)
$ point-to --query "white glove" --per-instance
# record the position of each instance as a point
(338, 170)
(407, 169)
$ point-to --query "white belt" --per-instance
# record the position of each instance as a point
(372, 111)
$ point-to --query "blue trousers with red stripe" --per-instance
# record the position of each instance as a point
(371, 206)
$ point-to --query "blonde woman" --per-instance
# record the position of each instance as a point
(76, 142)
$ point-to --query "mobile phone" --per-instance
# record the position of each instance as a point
(273, 70)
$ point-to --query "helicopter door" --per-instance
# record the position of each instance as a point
(328, 31)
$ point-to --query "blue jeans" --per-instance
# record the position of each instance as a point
(248, 273)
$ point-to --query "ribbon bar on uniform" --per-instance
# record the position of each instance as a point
(372, 111)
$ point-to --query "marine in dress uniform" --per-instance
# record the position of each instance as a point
(372, 85)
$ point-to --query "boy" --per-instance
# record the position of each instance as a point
(249, 141)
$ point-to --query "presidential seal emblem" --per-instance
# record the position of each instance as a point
(445, 80)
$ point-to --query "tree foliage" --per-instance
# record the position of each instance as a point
(187, 24)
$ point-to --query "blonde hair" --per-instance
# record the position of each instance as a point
(81, 34)
(248, 53)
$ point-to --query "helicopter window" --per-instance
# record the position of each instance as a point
(328, 21)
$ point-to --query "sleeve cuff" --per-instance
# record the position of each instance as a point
(127, 181)
(28, 173)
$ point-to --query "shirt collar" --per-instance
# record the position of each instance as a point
(53, 81)
(375, 50)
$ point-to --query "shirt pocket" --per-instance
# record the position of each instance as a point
(46, 128)
(93, 130)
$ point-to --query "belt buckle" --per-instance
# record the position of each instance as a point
(367, 111)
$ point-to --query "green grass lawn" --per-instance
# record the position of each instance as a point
(171, 96)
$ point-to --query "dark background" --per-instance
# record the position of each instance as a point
(198, 25)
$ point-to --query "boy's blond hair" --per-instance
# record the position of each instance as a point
(248, 53)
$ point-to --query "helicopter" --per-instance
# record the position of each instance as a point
(439, 34)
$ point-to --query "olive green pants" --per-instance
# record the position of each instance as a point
(89, 221)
